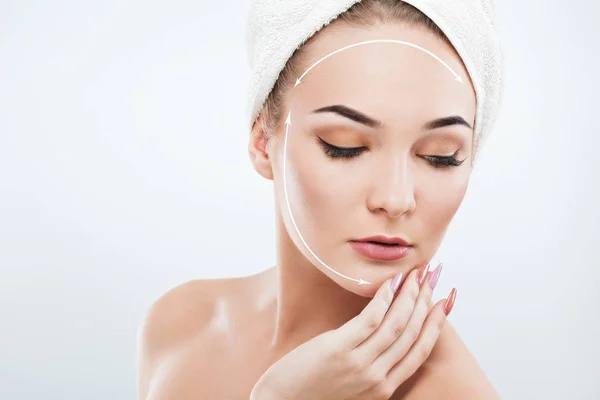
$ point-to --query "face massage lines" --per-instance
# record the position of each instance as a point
(438, 150)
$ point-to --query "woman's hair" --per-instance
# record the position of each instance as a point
(363, 14)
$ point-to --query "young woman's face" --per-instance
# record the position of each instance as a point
(377, 101)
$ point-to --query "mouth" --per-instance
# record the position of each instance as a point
(382, 248)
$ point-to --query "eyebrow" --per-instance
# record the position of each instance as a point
(361, 118)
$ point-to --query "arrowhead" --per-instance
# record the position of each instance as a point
(297, 82)
(288, 120)
(459, 79)
(363, 282)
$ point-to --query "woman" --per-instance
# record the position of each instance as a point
(377, 142)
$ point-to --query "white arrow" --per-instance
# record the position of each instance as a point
(288, 122)
(456, 76)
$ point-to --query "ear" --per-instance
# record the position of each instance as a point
(257, 148)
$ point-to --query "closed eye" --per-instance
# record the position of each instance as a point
(444, 161)
(332, 151)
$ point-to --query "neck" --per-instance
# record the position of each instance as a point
(309, 303)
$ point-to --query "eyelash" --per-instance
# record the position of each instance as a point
(332, 151)
(445, 161)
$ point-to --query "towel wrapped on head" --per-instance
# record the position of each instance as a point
(276, 28)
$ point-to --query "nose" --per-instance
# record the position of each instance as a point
(393, 189)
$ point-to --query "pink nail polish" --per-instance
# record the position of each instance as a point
(435, 275)
(450, 301)
(396, 282)
(421, 274)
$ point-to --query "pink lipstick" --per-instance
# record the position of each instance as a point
(382, 248)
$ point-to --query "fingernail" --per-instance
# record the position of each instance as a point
(422, 273)
(396, 282)
(450, 302)
(435, 276)
(428, 276)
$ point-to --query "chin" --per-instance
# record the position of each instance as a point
(372, 274)
(366, 290)
(375, 272)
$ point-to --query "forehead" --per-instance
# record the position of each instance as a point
(392, 81)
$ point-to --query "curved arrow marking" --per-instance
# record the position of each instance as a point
(456, 76)
(288, 122)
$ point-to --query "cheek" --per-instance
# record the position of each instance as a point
(440, 200)
(317, 189)
(321, 192)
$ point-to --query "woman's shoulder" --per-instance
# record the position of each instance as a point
(183, 310)
(177, 317)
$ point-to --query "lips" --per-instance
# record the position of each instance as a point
(382, 248)
(385, 240)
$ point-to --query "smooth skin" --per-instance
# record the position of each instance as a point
(222, 338)
(369, 357)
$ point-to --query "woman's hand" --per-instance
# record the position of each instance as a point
(371, 355)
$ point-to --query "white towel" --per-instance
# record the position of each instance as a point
(276, 28)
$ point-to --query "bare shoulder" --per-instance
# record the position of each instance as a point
(169, 315)
(175, 318)
(451, 372)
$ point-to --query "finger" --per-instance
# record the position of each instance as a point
(396, 320)
(407, 339)
(423, 346)
(428, 279)
(356, 330)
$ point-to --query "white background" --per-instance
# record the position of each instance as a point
(124, 172)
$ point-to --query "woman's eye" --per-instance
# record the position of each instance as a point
(340, 152)
(444, 161)
(350, 152)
